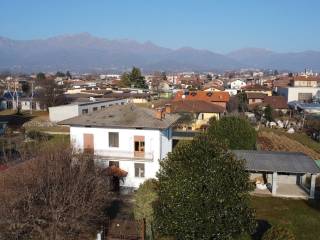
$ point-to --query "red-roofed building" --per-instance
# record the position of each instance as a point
(219, 98)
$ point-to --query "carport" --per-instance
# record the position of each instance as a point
(290, 174)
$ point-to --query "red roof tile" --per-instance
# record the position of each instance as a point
(203, 95)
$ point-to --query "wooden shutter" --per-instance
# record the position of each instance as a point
(88, 143)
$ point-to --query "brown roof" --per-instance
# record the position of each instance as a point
(252, 95)
(256, 87)
(282, 82)
(203, 95)
(123, 116)
(276, 102)
(195, 106)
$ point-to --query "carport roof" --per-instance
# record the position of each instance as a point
(285, 162)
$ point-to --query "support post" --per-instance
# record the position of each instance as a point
(313, 186)
(274, 183)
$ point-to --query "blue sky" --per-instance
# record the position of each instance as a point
(217, 25)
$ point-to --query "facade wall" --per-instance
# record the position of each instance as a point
(266, 92)
(237, 84)
(90, 107)
(157, 145)
(203, 118)
(60, 113)
(292, 93)
(306, 83)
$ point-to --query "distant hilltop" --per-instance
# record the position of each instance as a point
(84, 52)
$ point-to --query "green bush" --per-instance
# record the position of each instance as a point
(37, 135)
(144, 198)
(278, 233)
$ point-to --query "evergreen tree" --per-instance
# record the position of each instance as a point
(268, 113)
(203, 192)
(133, 79)
(137, 79)
(41, 76)
(236, 132)
(125, 80)
(68, 75)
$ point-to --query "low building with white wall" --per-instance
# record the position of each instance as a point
(284, 174)
(134, 139)
(298, 93)
(237, 84)
(60, 113)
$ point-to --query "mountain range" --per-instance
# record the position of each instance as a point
(84, 52)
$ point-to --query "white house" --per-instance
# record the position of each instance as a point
(131, 138)
(60, 113)
(303, 94)
(29, 103)
(237, 84)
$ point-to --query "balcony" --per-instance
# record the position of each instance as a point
(122, 155)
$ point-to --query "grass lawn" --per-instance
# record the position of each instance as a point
(57, 138)
(301, 216)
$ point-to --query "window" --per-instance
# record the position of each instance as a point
(113, 163)
(103, 107)
(113, 139)
(84, 111)
(95, 109)
(139, 146)
(139, 170)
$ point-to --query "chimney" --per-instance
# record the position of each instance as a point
(168, 108)
(160, 114)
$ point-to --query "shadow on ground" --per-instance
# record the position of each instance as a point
(120, 207)
(315, 204)
(262, 227)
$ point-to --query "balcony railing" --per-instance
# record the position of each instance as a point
(123, 155)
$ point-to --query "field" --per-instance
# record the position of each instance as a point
(278, 140)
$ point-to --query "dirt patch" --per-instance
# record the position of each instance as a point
(270, 141)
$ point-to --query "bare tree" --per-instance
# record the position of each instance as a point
(56, 195)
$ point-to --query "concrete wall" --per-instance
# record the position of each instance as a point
(157, 145)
